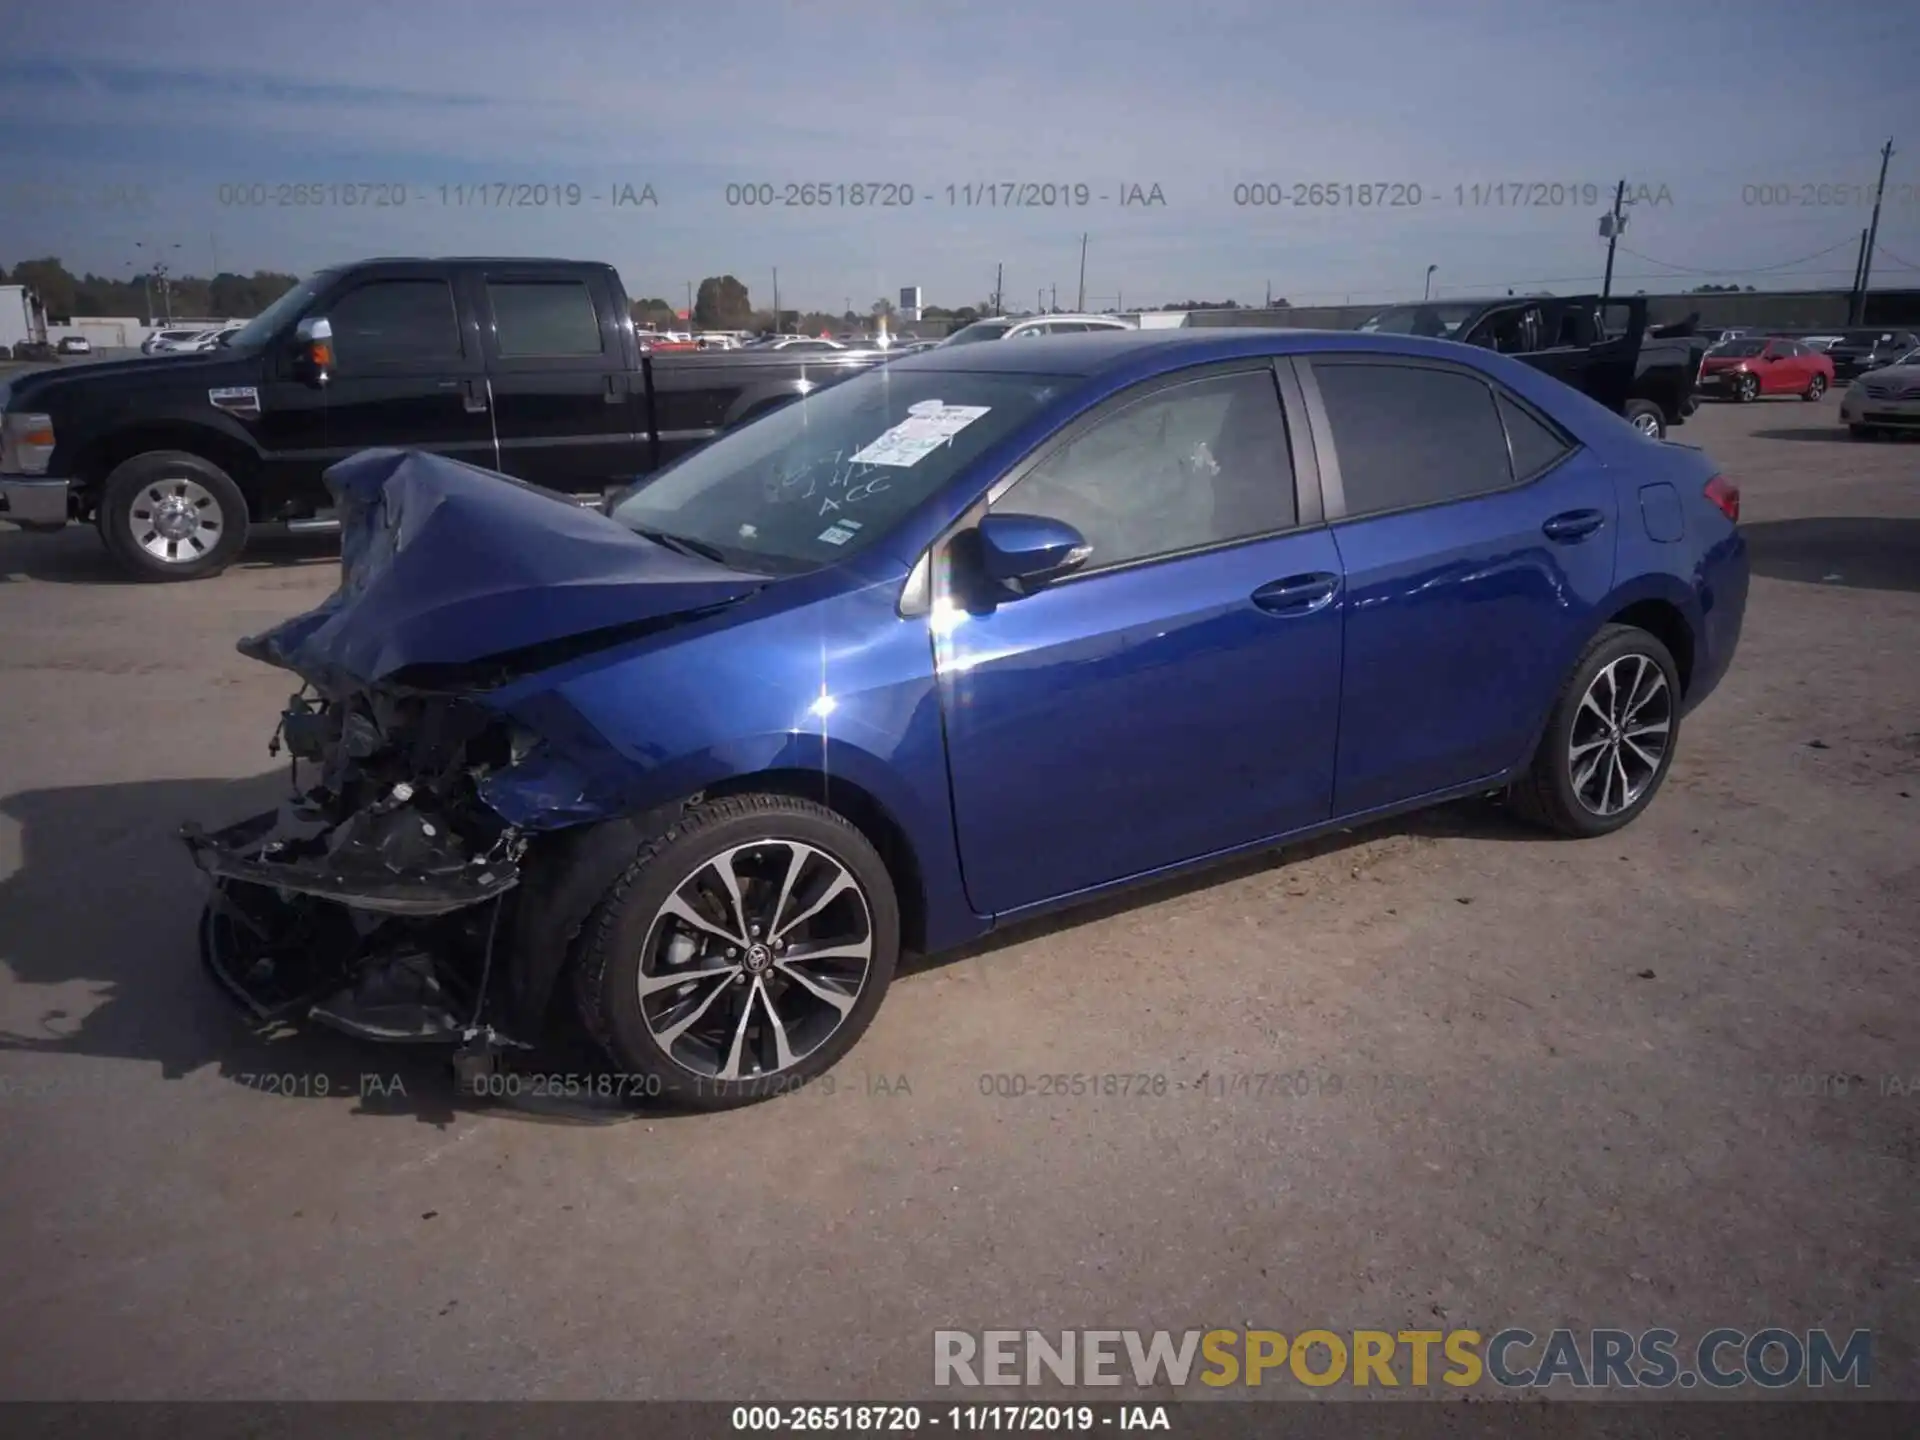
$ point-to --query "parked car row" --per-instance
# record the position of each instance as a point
(189, 340)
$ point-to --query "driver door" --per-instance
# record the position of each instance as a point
(1179, 694)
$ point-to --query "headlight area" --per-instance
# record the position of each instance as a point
(362, 901)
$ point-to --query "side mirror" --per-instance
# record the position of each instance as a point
(313, 358)
(1025, 552)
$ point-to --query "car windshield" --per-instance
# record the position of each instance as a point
(980, 330)
(825, 477)
(1441, 322)
(263, 326)
(1740, 347)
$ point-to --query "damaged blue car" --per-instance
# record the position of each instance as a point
(982, 633)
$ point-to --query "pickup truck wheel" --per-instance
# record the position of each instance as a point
(169, 515)
(741, 954)
(1645, 417)
(1816, 387)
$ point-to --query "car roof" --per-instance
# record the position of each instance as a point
(1104, 352)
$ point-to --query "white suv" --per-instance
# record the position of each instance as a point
(1005, 327)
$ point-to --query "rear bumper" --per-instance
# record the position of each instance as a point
(33, 502)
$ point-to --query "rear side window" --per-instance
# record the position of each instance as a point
(1411, 435)
(544, 318)
(1534, 445)
(394, 320)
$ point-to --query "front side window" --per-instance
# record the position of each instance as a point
(392, 321)
(1410, 435)
(534, 318)
(1196, 464)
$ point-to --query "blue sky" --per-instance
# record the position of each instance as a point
(123, 121)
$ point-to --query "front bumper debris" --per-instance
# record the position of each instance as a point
(394, 861)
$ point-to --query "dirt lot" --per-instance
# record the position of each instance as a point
(1569, 1075)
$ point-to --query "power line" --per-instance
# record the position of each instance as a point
(1726, 270)
(1906, 264)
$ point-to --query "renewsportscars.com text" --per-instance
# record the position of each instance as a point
(1770, 1358)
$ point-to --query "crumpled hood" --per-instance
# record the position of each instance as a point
(444, 563)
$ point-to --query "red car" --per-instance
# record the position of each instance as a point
(1748, 369)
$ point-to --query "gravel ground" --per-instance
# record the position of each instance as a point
(1569, 1076)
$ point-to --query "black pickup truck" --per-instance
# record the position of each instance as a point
(1604, 350)
(528, 367)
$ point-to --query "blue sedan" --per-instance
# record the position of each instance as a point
(989, 631)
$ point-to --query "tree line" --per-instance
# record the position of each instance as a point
(65, 294)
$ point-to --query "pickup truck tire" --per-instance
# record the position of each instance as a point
(812, 935)
(169, 515)
(1647, 418)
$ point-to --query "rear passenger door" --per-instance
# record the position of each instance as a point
(1476, 538)
(563, 405)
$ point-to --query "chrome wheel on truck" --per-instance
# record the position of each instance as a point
(169, 515)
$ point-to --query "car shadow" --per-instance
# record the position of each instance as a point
(102, 914)
(75, 556)
(1479, 818)
(1856, 552)
(1827, 434)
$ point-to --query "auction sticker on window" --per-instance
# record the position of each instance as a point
(929, 425)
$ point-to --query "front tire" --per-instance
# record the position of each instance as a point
(170, 515)
(1610, 739)
(1646, 417)
(1746, 389)
(742, 954)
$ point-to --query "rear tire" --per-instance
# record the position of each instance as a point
(170, 515)
(1609, 740)
(757, 1019)
(1816, 387)
(1647, 418)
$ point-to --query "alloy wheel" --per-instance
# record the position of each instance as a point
(1647, 424)
(1620, 735)
(1817, 387)
(175, 521)
(1748, 388)
(755, 960)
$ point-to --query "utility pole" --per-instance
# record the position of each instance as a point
(1857, 311)
(1080, 308)
(1612, 232)
(1268, 303)
(1859, 259)
(999, 275)
(1040, 301)
(1056, 299)
(776, 301)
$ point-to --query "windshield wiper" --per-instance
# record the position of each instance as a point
(685, 545)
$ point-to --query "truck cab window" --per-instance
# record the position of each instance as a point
(388, 320)
(544, 317)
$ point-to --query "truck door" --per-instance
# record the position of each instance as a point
(406, 372)
(564, 403)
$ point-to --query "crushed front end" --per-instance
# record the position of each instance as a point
(438, 853)
(363, 900)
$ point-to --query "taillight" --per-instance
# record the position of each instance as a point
(1726, 497)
